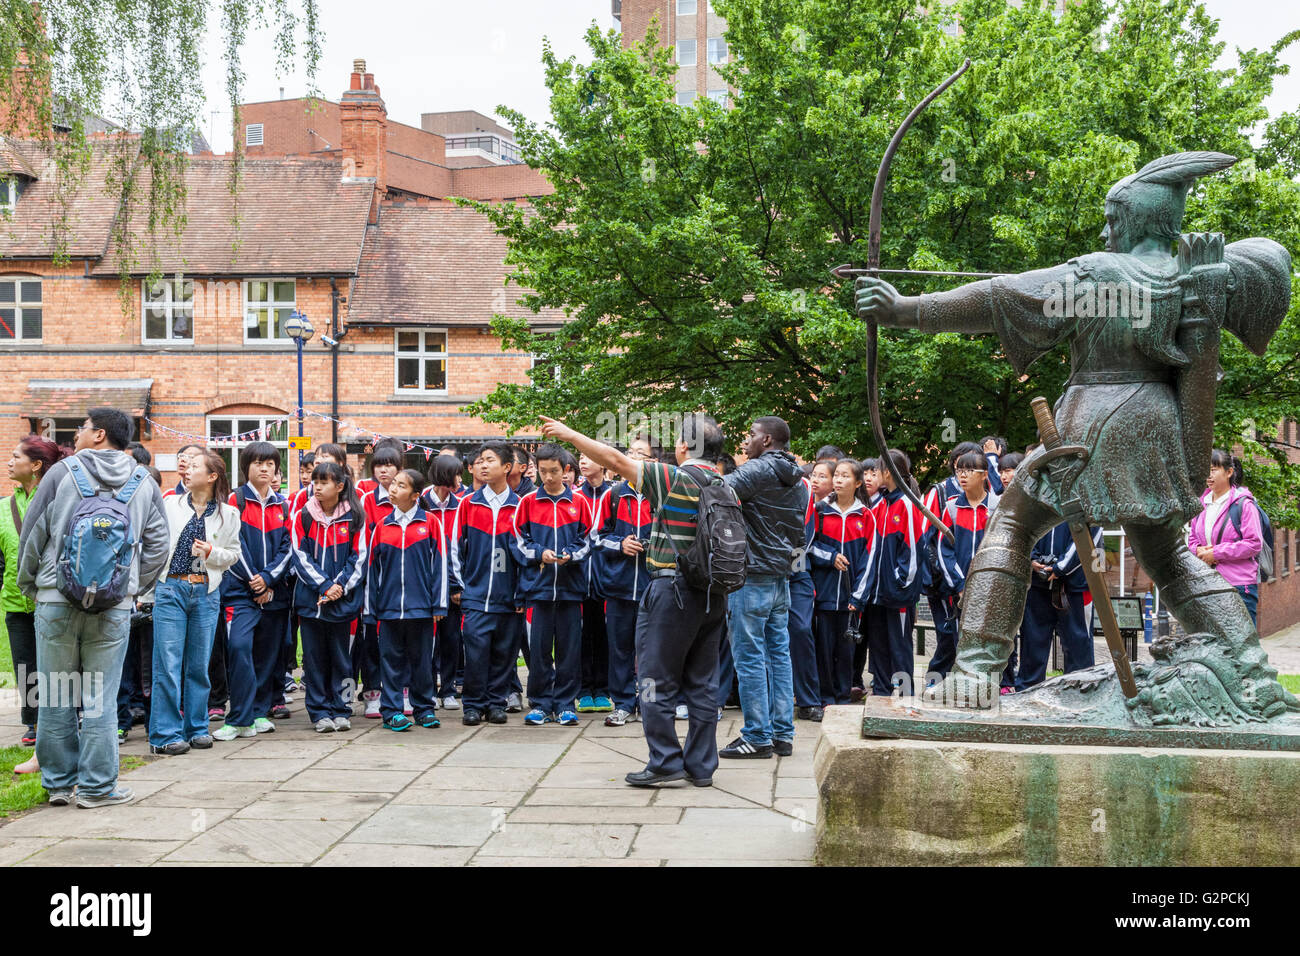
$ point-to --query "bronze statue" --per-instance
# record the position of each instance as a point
(1143, 328)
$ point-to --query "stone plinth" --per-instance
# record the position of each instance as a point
(923, 802)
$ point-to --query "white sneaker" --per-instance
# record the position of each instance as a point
(682, 713)
(514, 704)
(372, 703)
(618, 718)
(342, 723)
(406, 704)
(263, 725)
(230, 732)
(324, 726)
(451, 703)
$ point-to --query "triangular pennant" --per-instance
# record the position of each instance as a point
(427, 453)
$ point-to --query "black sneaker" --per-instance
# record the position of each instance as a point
(201, 742)
(138, 716)
(815, 714)
(279, 712)
(803, 713)
(496, 715)
(471, 718)
(174, 749)
(742, 749)
(783, 748)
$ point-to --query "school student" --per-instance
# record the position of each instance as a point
(486, 575)
(407, 595)
(966, 516)
(183, 467)
(593, 696)
(553, 531)
(623, 519)
(385, 463)
(842, 556)
(329, 557)
(869, 495)
(440, 500)
(801, 628)
(897, 583)
(1055, 605)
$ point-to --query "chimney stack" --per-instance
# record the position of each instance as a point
(364, 122)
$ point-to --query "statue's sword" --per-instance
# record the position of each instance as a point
(1056, 453)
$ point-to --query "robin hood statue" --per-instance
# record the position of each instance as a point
(1143, 329)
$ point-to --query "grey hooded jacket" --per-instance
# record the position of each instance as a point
(773, 500)
(54, 504)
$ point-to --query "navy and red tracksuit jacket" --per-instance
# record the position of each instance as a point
(326, 553)
(803, 565)
(899, 526)
(851, 533)
(967, 523)
(559, 523)
(263, 549)
(377, 506)
(445, 512)
(621, 513)
(482, 546)
(408, 568)
(593, 495)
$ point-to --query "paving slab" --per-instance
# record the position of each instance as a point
(190, 767)
(535, 861)
(388, 854)
(263, 841)
(753, 786)
(429, 825)
(775, 864)
(796, 787)
(479, 778)
(487, 753)
(429, 797)
(264, 748)
(604, 797)
(78, 852)
(729, 817)
(723, 844)
(17, 848)
(799, 808)
(128, 822)
(348, 781)
(366, 757)
(586, 776)
(634, 815)
(559, 840)
(688, 796)
(314, 805)
(205, 794)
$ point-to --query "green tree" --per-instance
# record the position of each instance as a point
(691, 247)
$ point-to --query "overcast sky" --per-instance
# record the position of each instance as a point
(435, 55)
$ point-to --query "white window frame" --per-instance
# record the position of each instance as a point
(712, 48)
(685, 44)
(270, 305)
(687, 8)
(422, 356)
(220, 444)
(168, 305)
(8, 195)
(18, 305)
(248, 134)
(689, 96)
(720, 96)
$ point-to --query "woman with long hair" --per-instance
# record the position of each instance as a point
(1227, 534)
(32, 458)
(204, 543)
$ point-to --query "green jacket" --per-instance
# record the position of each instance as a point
(11, 599)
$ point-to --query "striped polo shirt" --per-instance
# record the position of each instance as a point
(675, 500)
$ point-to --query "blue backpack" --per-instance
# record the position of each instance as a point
(99, 543)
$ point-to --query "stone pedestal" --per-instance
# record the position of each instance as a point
(922, 802)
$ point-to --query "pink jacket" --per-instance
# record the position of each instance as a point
(1236, 555)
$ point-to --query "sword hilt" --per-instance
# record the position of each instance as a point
(1046, 423)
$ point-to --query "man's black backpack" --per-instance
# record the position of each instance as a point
(715, 561)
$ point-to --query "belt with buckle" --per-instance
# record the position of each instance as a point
(191, 578)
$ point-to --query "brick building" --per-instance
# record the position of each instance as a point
(342, 215)
(692, 30)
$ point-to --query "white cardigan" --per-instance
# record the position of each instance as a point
(221, 528)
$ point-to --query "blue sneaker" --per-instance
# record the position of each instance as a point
(568, 718)
(536, 717)
(603, 705)
(400, 722)
(429, 720)
(586, 705)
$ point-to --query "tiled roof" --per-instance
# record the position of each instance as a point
(435, 264)
(69, 398)
(297, 217)
(31, 231)
(12, 160)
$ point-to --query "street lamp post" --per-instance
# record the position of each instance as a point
(299, 328)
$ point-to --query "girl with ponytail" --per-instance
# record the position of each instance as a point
(1228, 533)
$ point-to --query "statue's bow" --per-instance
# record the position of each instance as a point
(873, 267)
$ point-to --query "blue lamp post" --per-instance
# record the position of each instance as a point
(299, 328)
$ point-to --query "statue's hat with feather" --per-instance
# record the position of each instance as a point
(1156, 195)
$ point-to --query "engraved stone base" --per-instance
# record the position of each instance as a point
(893, 802)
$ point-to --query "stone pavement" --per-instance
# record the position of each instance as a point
(482, 796)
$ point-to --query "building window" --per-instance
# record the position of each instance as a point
(268, 304)
(20, 310)
(1284, 565)
(168, 306)
(685, 52)
(61, 431)
(245, 430)
(686, 8)
(685, 97)
(8, 194)
(717, 50)
(420, 361)
(254, 134)
(719, 96)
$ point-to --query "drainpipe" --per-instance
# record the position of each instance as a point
(334, 360)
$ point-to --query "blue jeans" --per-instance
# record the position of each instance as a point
(1250, 594)
(184, 626)
(760, 644)
(79, 660)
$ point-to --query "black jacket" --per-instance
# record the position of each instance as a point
(774, 501)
